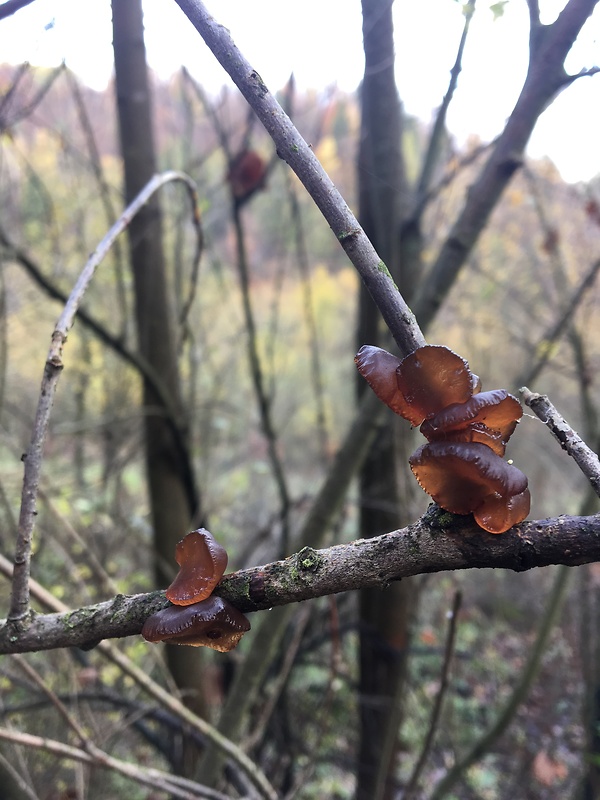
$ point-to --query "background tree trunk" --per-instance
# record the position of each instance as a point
(173, 499)
(384, 614)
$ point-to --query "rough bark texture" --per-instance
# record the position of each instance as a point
(170, 476)
(438, 542)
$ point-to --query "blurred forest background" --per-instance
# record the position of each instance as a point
(264, 336)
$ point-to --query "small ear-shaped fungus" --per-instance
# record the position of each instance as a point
(212, 623)
(378, 368)
(432, 378)
(202, 562)
(498, 514)
(493, 414)
(420, 385)
(469, 477)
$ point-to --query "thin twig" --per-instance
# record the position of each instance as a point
(104, 192)
(413, 781)
(163, 781)
(439, 127)
(25, 111)
(309, 317)
(570, 441)
(19, 606)
(84, 739)
(277, 685)
(162, 696)
(18, 779)
(296, 152)
(519, 694)
(558, 328)
(263, 401)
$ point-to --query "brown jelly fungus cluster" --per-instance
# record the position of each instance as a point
(198, 617)
(461, 466)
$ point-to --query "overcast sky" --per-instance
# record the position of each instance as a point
(320, 41)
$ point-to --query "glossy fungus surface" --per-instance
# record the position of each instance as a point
(493, 414)
(469, 477)
(214, 623)
(378, 368)
(202, 562)
(462, 467)
(432, 378)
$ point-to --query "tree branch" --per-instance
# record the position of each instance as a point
(19, 604)
(569, 440)
(437, 542)
(545, 78)
(292, 148)
(12, 6)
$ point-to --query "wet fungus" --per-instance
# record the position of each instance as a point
(202, 562)
(461, 467)
(198, 617)
(213, 622)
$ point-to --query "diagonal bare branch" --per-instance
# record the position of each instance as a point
(292, 148)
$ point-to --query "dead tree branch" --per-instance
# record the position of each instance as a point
(435, 543)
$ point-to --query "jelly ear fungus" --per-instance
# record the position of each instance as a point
(462, 466)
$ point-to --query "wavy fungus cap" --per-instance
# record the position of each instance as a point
(432, 378)
(469, 478)
(489, 418)
(202, 562)
(214, 623)
(423, 383)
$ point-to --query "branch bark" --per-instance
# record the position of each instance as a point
(292, 148)
(546, 76)
(437, 542)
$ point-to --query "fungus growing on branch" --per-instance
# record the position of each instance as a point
(463, 478)
(213, 622)
(202, 562)
(461, 468)
(198, 618)
(493, 415)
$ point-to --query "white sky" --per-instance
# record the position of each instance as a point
(321, 42)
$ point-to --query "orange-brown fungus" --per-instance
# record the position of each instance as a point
(212, 623)
(495, 413)
(202, 562)
(461, 468)
(432, 378)
(378, 368)
(247, 174)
